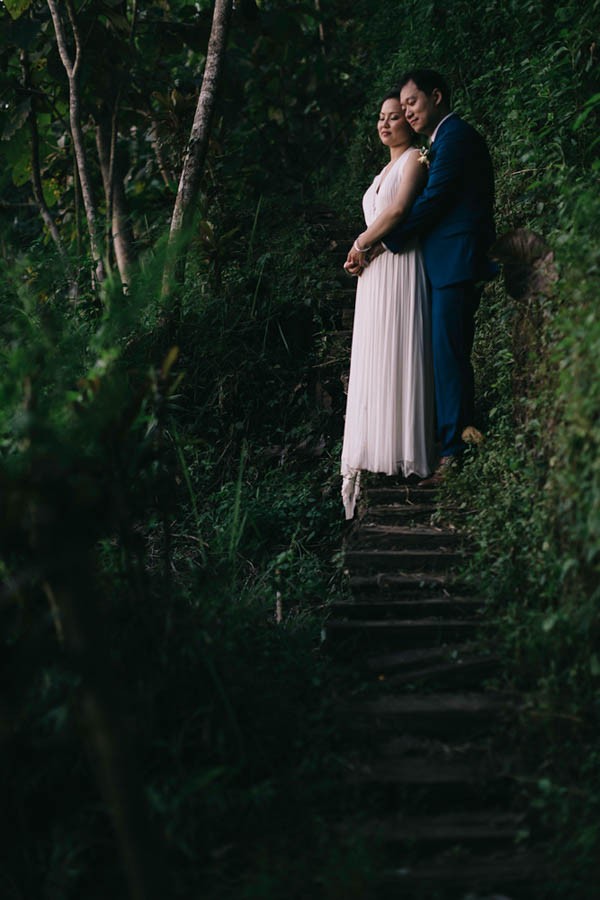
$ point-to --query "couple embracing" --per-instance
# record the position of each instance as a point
(421, 262)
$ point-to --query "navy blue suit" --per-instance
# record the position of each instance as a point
(453, 217)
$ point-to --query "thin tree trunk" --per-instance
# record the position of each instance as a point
(321, 28)
(116, 206)
(195, 155)
(161, 162)
(73, 70)
(117, 220)
(80, 633)
(77, 208)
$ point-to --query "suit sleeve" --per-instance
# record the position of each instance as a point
(446, 178)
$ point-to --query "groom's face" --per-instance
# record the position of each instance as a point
(422, 111)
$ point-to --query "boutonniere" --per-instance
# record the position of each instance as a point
(424, 156)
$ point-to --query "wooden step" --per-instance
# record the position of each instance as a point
(417, 774)
(400, 634)
(398, 561)
(447, 714)
(459, 673)
(402, 494)
(524, 875)
(339, 299)
(347, 317)
(433, 774)
(375, 607)
(476, 830)
(402, 537)
(404, 661)
(405, 513)
(413, 583)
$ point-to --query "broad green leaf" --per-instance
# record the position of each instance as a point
(52, 191)
(21, 172)
(16, 8)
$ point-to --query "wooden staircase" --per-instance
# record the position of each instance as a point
(431, 787)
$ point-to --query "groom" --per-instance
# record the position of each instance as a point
(453, 217)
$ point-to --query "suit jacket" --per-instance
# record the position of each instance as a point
(453, 216)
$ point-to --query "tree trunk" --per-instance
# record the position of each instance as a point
(195, 155)
(73, 70)
(161, 162)
(116, 206)
(80, 633)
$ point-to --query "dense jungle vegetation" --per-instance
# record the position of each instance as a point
(170, 518)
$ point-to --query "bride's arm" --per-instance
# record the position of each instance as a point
(414, 178)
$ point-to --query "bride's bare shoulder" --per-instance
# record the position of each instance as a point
(415, 169)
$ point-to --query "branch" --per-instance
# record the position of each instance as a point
(76, 37)
(61, 39)
(72, 69)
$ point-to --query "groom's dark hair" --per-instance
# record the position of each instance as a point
(427, 80)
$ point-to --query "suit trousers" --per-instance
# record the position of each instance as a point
(453, 311)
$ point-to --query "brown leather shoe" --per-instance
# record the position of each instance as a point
(445, 464)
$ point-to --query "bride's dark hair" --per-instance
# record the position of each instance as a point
(392, 94)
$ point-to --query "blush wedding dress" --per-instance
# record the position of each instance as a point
(390, 409)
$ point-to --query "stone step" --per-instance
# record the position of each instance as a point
(402, 537)
(398, 633)
(522, 875)
(399, 561)
(375, 607)
(477, 830)
(448, 714)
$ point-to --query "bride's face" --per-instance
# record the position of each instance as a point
(392, 127)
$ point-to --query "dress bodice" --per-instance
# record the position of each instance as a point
(384, 188)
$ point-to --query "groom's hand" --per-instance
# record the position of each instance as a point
(375, 251)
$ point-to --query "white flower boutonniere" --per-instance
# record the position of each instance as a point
(424, 154)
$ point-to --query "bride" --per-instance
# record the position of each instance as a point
(390, 409)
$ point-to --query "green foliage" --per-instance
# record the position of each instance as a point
(192, 505)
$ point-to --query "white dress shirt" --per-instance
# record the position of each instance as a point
(437, 127)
